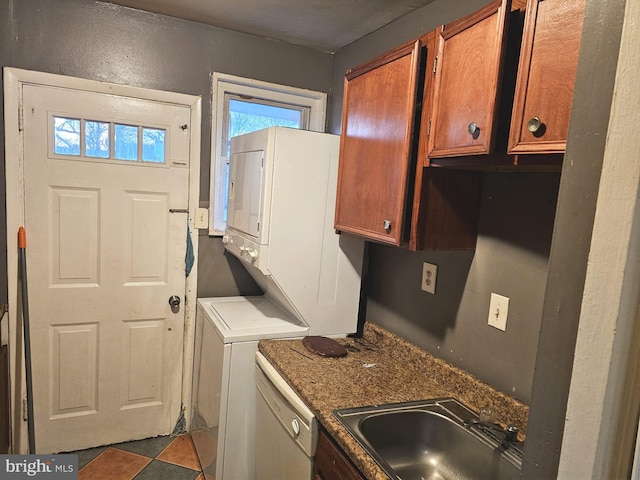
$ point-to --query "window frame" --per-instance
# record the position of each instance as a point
(223, 84)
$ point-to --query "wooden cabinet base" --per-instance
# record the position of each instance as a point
(448, 210)
(331, 463)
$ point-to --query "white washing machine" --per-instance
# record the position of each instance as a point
(223, 403)
(223, 412)
(282, 193)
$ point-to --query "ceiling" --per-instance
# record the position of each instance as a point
(326, 25)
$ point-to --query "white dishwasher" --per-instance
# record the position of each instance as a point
(286, 432)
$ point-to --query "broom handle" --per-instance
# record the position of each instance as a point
(22, 255)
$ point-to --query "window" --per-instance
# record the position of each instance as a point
(92, 139)
(241, 105)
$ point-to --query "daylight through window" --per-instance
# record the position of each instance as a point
(243, 106)
(95, 139)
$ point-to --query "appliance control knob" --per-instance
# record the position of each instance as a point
(253, 253)
(226, 239)
(295, 425)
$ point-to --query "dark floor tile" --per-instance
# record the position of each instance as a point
(85, 456)
(149, 447)
(159, 470)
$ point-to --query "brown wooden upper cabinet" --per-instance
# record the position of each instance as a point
(546, 76)
(378, 117)
(386, 191)
(468, 73)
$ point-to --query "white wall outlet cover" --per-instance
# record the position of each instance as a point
(429, 274)
(202, 218)
(498, 311)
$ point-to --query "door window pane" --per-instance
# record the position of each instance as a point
(153, 145)
(66, 136)
(96, 139)
(126, 142)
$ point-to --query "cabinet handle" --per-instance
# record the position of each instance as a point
(474, 130)
(386, 225)
(534, 125)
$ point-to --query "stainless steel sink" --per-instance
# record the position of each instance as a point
(428, 440)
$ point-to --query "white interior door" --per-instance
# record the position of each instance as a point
(104, 253)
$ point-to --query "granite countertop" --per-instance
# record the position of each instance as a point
(380, 368)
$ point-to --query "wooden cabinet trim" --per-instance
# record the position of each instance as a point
(457, 26)
(500, 9)
(403, 156)
(524, 65)
(401, 51)
(517, 144)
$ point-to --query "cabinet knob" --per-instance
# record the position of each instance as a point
(534, 125)
(473, 129)
(386, 225)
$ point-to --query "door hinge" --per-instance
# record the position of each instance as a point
(20, 118)
(435, 65)
(429, 128)
(258, 227)
(25, 410)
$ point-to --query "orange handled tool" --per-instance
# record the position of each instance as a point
(22, 238)
(22, 258)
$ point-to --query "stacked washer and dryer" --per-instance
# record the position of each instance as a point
(282, 192)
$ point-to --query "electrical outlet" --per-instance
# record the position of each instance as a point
(202, 218)
(429, 274)
(498, 311)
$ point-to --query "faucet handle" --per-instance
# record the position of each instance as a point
(511, 434)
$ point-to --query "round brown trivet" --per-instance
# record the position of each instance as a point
(326, 347)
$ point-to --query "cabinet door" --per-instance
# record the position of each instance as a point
(546, 76)
(331, 463)
(467, 85)
(446, 201)
(376, 145)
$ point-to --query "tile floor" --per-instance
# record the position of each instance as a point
(159, 458)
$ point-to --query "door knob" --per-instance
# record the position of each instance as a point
(174, 301)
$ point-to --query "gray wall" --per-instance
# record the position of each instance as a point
(572, 237)
(511, 256)
(544, 280)
(100, 41)
(403, 30)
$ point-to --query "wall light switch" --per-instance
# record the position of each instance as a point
(202, 218)
(498, 311)
(429, 273)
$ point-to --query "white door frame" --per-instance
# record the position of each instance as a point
(14, 79)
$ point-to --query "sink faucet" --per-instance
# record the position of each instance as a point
(507, 437)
